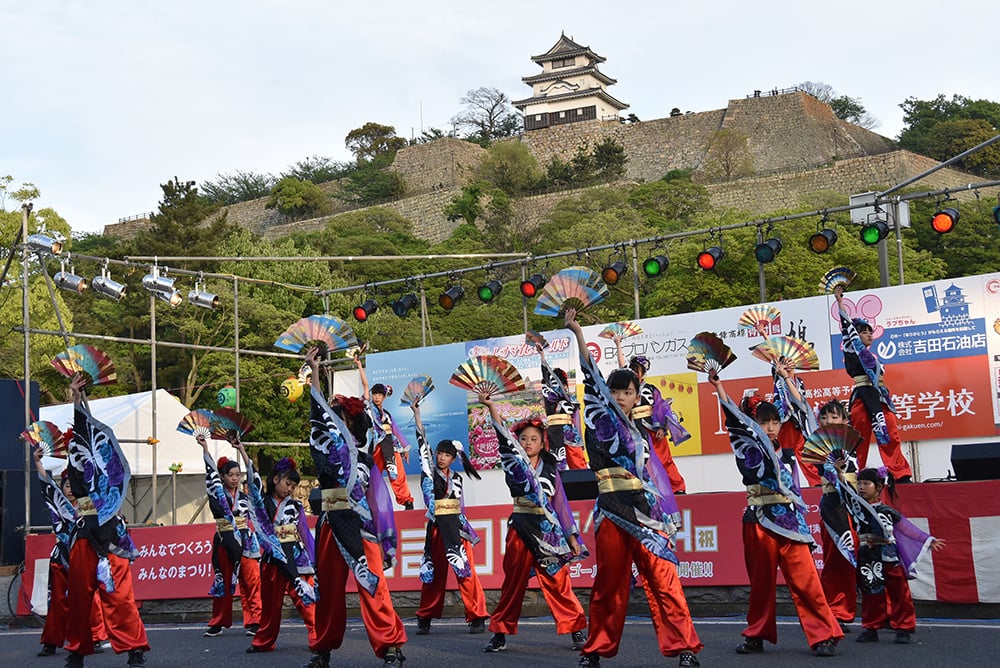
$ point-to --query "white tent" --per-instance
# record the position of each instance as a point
(131, 418)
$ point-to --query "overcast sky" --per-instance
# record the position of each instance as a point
(108, 99)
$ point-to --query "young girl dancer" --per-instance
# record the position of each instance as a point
(635, 518)
(387, 444)
(235, 549)
(287, 544)
(449, 537)
(775, 532)
(563, 415)
(356, 532)
(542, 536)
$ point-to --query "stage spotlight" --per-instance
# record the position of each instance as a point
(531, 285)
(655, 265)
(707, 259)
(488, 291)
(199, 297)
(365, 309)
(944, 220)
(69, 281)
(103, 285)
(163, 288)
(823, 240)
(614, 272)
(402, 306)
(873, 232)
(40, 243)
(767, 251)
(450, 297)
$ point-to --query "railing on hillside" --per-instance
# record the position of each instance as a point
(139, 216)
(774, 91)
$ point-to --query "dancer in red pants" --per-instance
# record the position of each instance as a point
(562, 411)
(386, 443)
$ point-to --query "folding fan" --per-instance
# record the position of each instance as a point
(326, 331)
(196, 423)
(573, 287)
(85, 358)
(708, 353)
(822, 442)
(354, 352)
(47, 437)
(533, 338)
(796, 353)
(488, 374)
(836, 276)
(305, 374)
(759, 319)
(226, 420)
(416, 389)
(622, 329)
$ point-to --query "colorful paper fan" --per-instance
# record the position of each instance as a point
(708, 353)
(226, 420)
(622, 329)
(533, 338)
(822, 442)
(796, 353)
(759, 319)
(46, 436)
(196, 423)
(573, 287)
(354, 352)
(85, 358)
(488, 374)
(416, 389)
(836, 276)
(326, 331)
(305, 374)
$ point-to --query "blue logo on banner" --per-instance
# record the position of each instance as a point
(918, 343)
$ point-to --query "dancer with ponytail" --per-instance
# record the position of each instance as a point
(235, 550)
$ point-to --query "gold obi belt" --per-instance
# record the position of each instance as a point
(84, 506)
(865, 381)
(851, 478)
(642, 412)
(226, 525)
(616, 479)
(447, 507)
(335, 499)
(758, 495)
(287, 533)
(523, 505)
(559, 419)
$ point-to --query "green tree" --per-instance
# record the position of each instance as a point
(609, 159)
(511, 167)
(728, 156)
(239, 186)
(846, 108)
(373, 140)
(298, 199)
(318, 169)
(942, 128)
(371, 183)
(25, 193)
(467, 205)
(559, 173)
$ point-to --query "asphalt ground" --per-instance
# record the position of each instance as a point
(937, 643)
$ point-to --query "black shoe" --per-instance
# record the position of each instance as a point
(902, 638)
(689, 660)
(136, 658)
(253, 649)
(423, 626)
(905, 480)
(47, 650)
(393, 657)
(319, 660)
(74, 660)
(826, 648)
(252, 629)
(98, 647)
(478, 625)
(579, 640)
(750, 646)
(408, 505)
(497, 643)
(844, 628)
(868, 635)
(589, 660)
(212, 632)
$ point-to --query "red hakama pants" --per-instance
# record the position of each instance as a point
(557, 590)
(891, 452)
(764, 553)
(400, 488)
(274, 584)
(616, 550)
(893, 607)
(384, 627)
(432, 593)
(222, 607)
(575, 458)
(839, 581)
(125, 628)
(54, 632)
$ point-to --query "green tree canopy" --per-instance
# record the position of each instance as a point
(373, 140)
(298, 199)
(942, 128)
